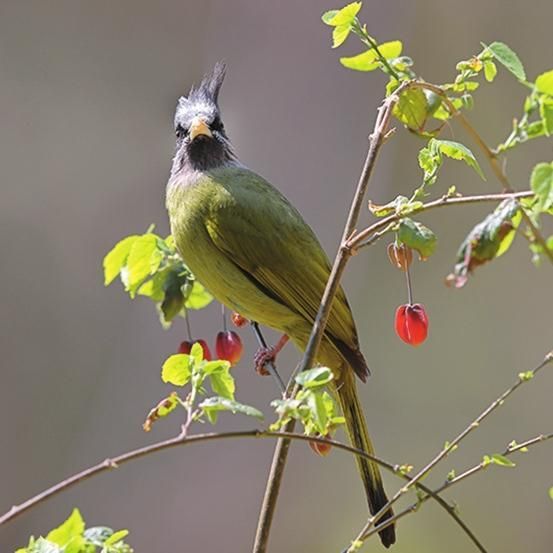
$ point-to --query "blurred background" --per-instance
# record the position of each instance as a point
(87, 98)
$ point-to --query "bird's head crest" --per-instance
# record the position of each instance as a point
(209, 87)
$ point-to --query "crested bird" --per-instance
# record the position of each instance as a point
(252, 250)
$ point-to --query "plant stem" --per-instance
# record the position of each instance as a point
(372, 233)
(365, 532)
(280, 454)
(182, 440)
(470, 472)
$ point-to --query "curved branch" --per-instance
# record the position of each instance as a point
(371, 234)
(182, 440)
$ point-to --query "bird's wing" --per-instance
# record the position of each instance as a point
(262, 233)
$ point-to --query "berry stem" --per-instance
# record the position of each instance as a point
(409, 286)
(223, 314)
(188, 330)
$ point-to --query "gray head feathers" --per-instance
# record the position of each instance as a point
(209, 87)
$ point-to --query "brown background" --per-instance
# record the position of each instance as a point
(87, 96)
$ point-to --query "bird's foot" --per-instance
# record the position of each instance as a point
(262, 357)
(266, 355)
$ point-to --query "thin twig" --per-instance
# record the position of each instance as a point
(368, 236)
(523, 377)
(470, 472)
(182, 440)
(280, 454)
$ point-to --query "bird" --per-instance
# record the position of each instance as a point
(253, 251)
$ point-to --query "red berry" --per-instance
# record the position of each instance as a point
(186, 346)
(400, 256)
(228, 346)
(411, 323)
(238, 320)
(320, 448)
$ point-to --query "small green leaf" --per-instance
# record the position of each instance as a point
(340, 34)
(176, 369)
(344, 16)
(490, 70)
(328, 16)
(455, 150)
(213, 405)
(504, 55)
(314, 378)
(317, 405)
(116, 259)
(417, 236)
(222, 382)
(526, 376)
(541, 182)
(198, 298)
(166, 406)
(544, 83)
(368, 61)
(412, 109)
(546, 114)
(73, 526)
(115, 537)
(502, 461)
(551, 493)
(143, 260)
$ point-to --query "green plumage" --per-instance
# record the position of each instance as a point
(253, 251)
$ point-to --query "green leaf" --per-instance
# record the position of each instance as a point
(198, 297)
(455, 150)
(412, 109)
(551, 493)
(344, 16)
(502, 461)
(314, 378)
(504, 55)
(144, 259)
(197, 353)
(116, 536)
(541, 182)
(213, 405)
(368, 61)
(486, 241)
(546, 114)
(166, 406)
(176, 369)
(44, 546)
(490, 70)
(328, 16)
(222, 382)
(316, 404)
(340, 34)
(116, 259)
(154, 288)
(544, 83)
(417, 236)
(73, 526)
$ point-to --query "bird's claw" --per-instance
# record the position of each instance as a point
(262, 357)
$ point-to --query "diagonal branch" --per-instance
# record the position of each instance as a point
(280, 454)
(523, 378)
(371, 234)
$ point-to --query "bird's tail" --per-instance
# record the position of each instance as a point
(358, 434)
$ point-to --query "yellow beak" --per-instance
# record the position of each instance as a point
(198, 127)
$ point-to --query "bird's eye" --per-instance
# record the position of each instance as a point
(217, 124)
(180, 131)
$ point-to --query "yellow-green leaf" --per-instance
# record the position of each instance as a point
(544, 83)
(412, 108)
(368, 61)
(115, 260)
(176, 369)
(339, 35)
(72, 527)
(541, 182)
(344, 16)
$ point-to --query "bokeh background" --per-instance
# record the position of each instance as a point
(87, 97)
